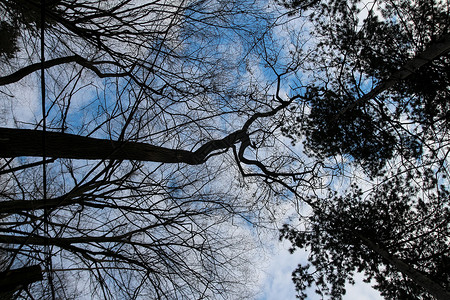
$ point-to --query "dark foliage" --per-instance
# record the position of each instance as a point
(346, 233)
(20, 15)
(359, 132)
(8, 39)
(354, 55)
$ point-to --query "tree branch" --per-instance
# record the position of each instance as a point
(18, 75)
(25, 142)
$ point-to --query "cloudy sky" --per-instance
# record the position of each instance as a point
(276, 277)
(278, 284)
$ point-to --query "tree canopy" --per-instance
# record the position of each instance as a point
(385, 67)
(144, 145)
(375, 110)
(396, 234)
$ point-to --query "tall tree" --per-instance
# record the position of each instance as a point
(374, 110)
(385, 67)
(163, 82)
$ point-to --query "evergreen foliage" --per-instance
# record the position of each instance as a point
(379, 100)
(346, 233)
(356, 53)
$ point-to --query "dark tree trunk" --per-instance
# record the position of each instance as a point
(12, 280)
(25, 142)
(434, 51)
(419, 278)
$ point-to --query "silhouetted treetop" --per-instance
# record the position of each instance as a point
(396, 235)
(375, 71)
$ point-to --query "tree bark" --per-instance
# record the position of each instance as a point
(19, 74)
(14, 279)
(57, 241)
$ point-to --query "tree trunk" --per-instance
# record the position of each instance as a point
(434, 51)
(12, 280)
(26, 142)
(420, 279)
(23, 142)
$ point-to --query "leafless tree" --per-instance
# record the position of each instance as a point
(155, 139)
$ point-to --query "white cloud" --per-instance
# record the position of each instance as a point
(361, 290)
(278, 283)
(20, 103)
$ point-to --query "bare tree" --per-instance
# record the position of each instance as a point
(156, 138)
(126, 82)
